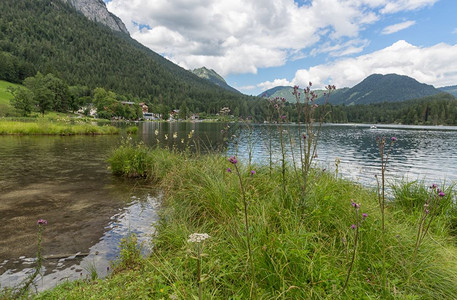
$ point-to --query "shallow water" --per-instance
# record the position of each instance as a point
(65, 180)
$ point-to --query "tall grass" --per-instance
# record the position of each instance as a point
(299, 251)
(53, 128)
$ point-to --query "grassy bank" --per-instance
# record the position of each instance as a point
(302, 245)
(5, 97)
(42, 127)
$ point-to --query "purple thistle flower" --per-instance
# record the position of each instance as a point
(353, 226)
(229, 170)
(42, 222)
(355, 205)
(394, 139)
(434, 186)
(364, 216)
(252, 172)
(441, 194)
(283, 117)
(233, 160)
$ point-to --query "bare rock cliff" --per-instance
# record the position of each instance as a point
(96, 10)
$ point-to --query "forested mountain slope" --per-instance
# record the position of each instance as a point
(52, 37)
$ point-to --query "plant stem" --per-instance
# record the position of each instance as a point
(353, 253)
(246, 224)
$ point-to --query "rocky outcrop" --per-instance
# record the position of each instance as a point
(96, 10)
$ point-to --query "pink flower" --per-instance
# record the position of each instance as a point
(394, 139)
(42, 222)
(364, 216)
(353, 226)
(229, 170)
(233, 160)
(252, 172)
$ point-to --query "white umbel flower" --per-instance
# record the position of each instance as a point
(198, 237)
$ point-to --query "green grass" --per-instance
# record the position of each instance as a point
(302, 244)
(44, 127)
(5, 97)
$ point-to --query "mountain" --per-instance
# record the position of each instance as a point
(96, 10)
(279, 92)
(378, 88)
(286, 93)
(51, 36)
(449, 89)
(212, 76)
(375, 88)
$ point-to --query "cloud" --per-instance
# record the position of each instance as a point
(436, 65)
(397, 27)
(405, 5)
(241, 36)
(271, 84)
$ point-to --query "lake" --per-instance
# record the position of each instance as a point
(66, 181)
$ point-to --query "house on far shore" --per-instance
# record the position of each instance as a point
(128, 103)
(144, 107)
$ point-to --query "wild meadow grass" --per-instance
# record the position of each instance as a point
(325, 244)
(43, 127)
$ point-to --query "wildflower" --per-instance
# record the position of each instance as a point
(394, 139)
(355, 205)
(441, 194)
(252, 172)
(364, 216)
(42, 222)
(434, 186)
(198, 237)
(233, 160)
(175, 135)
(353, 226)
(229, 170)
(182, 141)
(166, 137)
(283, 117)
(156, 132)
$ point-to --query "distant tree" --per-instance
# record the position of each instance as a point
(41, 93)
(183, 111)
(22, 100)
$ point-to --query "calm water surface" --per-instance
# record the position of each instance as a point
(65, 180)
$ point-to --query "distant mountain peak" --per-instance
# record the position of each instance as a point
(211, 75)
(96, 10)
(375, 88)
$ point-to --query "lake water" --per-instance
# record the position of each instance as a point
(66, 181)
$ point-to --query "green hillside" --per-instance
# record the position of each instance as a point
(212, 76)
(51, 37)
(379, 88)
(449, 89)
(5, 96)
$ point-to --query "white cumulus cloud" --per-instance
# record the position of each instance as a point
(241, 36)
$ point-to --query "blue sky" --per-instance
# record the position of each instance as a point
(259, 44)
